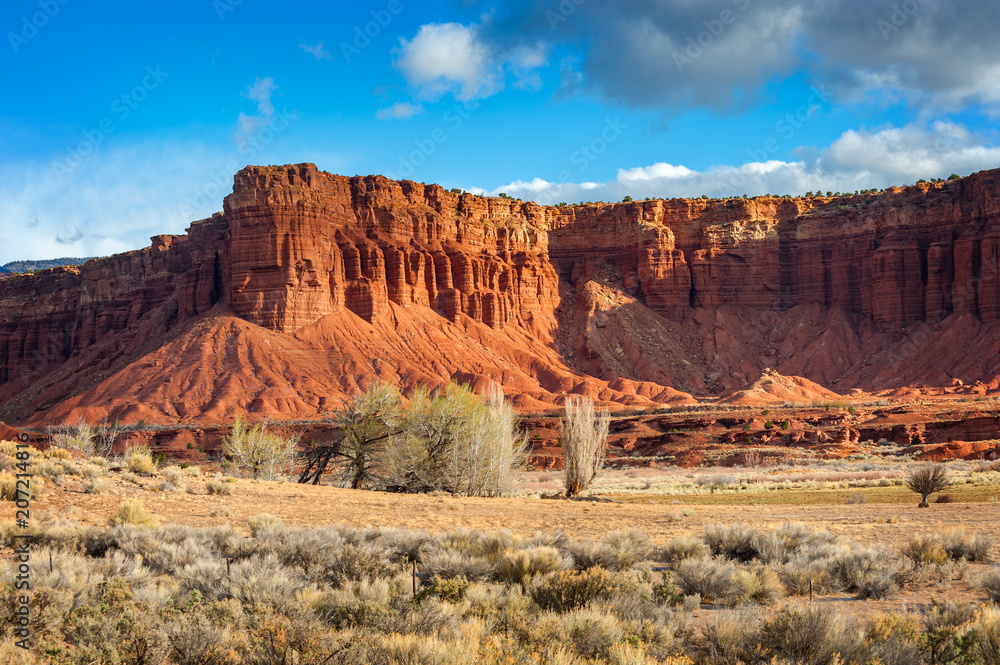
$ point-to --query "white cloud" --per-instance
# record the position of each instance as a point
(444, 58)
(317, 51)
(260, 92)
(857, 160)
(399, 111)
(112, 203)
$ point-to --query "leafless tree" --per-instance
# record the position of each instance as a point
(584, 434)
(926, 480)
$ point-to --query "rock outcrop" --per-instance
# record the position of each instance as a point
(321, 283)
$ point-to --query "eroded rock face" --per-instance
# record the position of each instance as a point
(306, 244)
(623, 301)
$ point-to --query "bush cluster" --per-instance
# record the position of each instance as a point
(133, 592)
(452, 441)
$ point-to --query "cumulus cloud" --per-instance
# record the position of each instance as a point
(260, 92)
(722, 54)
(444, 58)
(317, 51)
(858, 159)
(452, 58)
(399, 111)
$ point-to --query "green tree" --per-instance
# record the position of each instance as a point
(456, 442)
(257, 450)
(368, 425)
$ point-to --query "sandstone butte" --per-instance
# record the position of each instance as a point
(308, 286)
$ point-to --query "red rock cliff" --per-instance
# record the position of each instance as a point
(623, 301)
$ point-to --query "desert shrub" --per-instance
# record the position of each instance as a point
(132, 511)
(78, 437)
(306, 549)
(49, 469)
(591, 631)
(683, 547)
(584, 433)
(258, 523)
(98, 460)
(927, 479)
(589, 554)
(449, 564)
(732, 638)
(628, 548)
(359, 604)
(262, 579)
(8, 487)
(255, 449)
(170, 557)
(354, 563)
(944, 497)
(90, 471)
(192, 470)
(944, 638)
(925, 550)
(95, 486)
(403, 648)
(711, 579)
(449, 590)
(217, 487)
(990, 583)
(985, 635)
(140, 462)
(961, 546)
(565, 590)
(732, 541)
(760, 586)
(813, 636)
(800, 575)
(193, 640)
(868, 573)
(520, 566)
(57, 453)
(130, 477)
(172, 475)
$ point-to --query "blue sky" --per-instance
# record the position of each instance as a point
(126, 120)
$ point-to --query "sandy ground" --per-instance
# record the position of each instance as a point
(890, 525)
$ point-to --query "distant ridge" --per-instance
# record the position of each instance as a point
(29, 266)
